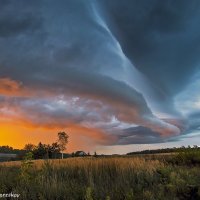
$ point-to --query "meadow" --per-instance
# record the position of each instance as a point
(99, 178)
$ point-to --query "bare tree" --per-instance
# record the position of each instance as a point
(62, 141)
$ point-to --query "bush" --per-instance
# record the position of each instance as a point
(187, 156)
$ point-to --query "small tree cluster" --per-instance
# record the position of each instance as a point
(42, 151)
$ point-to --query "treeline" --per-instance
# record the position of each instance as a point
(11, 150)
(166, 150)
(49, 151)
(40, 151)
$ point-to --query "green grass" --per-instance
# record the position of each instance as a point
(128, 178)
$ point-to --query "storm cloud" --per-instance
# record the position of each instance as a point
(119, 67)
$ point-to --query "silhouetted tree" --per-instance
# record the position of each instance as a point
(54, 150)
(40, 151)
(73, 154)
(29, 147)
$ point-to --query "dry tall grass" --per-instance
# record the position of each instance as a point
(121, 163)
(91, 178)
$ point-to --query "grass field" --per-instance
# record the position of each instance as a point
(88, 178)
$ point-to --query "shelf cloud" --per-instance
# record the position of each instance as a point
(118, 71)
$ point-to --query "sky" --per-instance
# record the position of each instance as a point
(117, 76)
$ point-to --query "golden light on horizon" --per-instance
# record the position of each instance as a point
(19, 134)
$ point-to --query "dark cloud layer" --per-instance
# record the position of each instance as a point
(161, 38)
(138, 135)
(53, 52)
(15, 20)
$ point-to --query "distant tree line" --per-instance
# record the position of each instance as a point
(8, 149)
(166, 150)
(55, 150)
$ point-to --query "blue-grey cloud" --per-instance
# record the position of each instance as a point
(138, 135)
(126, 62)
(159, 37)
